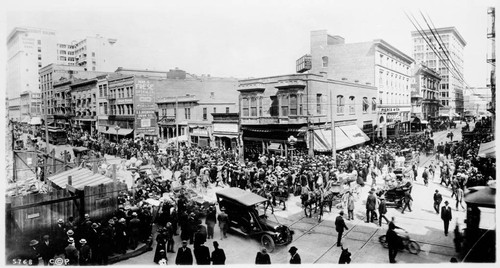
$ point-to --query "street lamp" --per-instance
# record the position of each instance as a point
(117, 128)
(292, 141)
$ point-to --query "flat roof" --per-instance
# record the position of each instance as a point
(443, 30)
(241, 196)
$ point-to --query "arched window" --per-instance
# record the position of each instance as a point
(325, 61)
(340, 104)
(365, 105)
(352, 109)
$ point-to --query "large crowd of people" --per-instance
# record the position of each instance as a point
(275, 177)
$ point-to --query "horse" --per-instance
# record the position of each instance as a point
(281, 194)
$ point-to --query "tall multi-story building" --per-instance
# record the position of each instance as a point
(14, 109)
(28, 49)
(374, 63)
(424, 93)
(94, 53)
(451, 88)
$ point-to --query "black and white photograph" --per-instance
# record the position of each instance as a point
(223, 132)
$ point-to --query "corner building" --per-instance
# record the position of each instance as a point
(303, 105)
(374, 63)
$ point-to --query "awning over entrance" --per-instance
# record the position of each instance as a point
(487, 150)
(80, 177)
(179, 139)
(355, 134)
(36, 121)
(121, 131)
(345, 137)
(226, 135)
(274, 146)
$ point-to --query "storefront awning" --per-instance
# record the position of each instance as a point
(355, 134)
(179, 139)
(487, 150)
(345, 137)
(26, 119)
(274, 146)
(121, 131)
(36, 121)
(226, 135)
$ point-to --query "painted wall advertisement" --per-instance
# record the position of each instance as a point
(145, 107)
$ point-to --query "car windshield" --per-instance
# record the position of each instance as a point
(260, 208)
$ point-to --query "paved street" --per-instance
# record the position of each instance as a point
(317, 241)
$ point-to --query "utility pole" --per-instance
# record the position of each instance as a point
(334, 145)
(46, 169)
(176, 123)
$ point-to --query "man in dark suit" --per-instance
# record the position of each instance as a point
(340, 226)
(446, 217)
(371, 202)
(407, 199)
(184, 255)
(46, 249)
(218, 255)
(85, 253)
(437, 201)
(202, 254)
(33, 253)
(134, 227)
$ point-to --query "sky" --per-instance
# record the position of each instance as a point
(247, 38)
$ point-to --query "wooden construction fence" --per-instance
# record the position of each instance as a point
(34, 215)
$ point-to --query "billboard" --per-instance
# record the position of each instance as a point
(145, 107)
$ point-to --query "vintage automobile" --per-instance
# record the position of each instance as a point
(246, 213)
(394, 196)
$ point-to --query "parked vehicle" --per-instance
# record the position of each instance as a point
(394, 196)
(411, 245)
(246, 213)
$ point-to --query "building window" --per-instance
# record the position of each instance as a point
(93, 54)
(227, 110)
(284, 105)
(374, 104)
(215, 110)
(212, 95)
(366, 105)
(260, 106)
(187, 113)
(253, 106)
(293, 104)
(100, 90)
(205, 114)
(325, 61)
(39, 42)
(340, 104)
(245, 107)
(352, 109)
(301, 112)
(105, 108)
(274, 110)
(318, 104)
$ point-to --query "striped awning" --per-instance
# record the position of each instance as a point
(80, 177)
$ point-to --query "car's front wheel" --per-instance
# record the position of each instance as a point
(267, 242)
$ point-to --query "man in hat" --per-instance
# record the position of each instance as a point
(33, 253)
(218, 255)
(121, 236)
(371, 202)
(262, 257)
(446, 216)
(60, 236)
(295, 259)
(46, 249)
(223, 223)
(350, 206)
(393, 242)
(437, 201)
(340, 226)
(407, 199)
(184, 255)
(71, 252)
(382, 210)
(134, 230)
(85, 252)
(202, 254)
